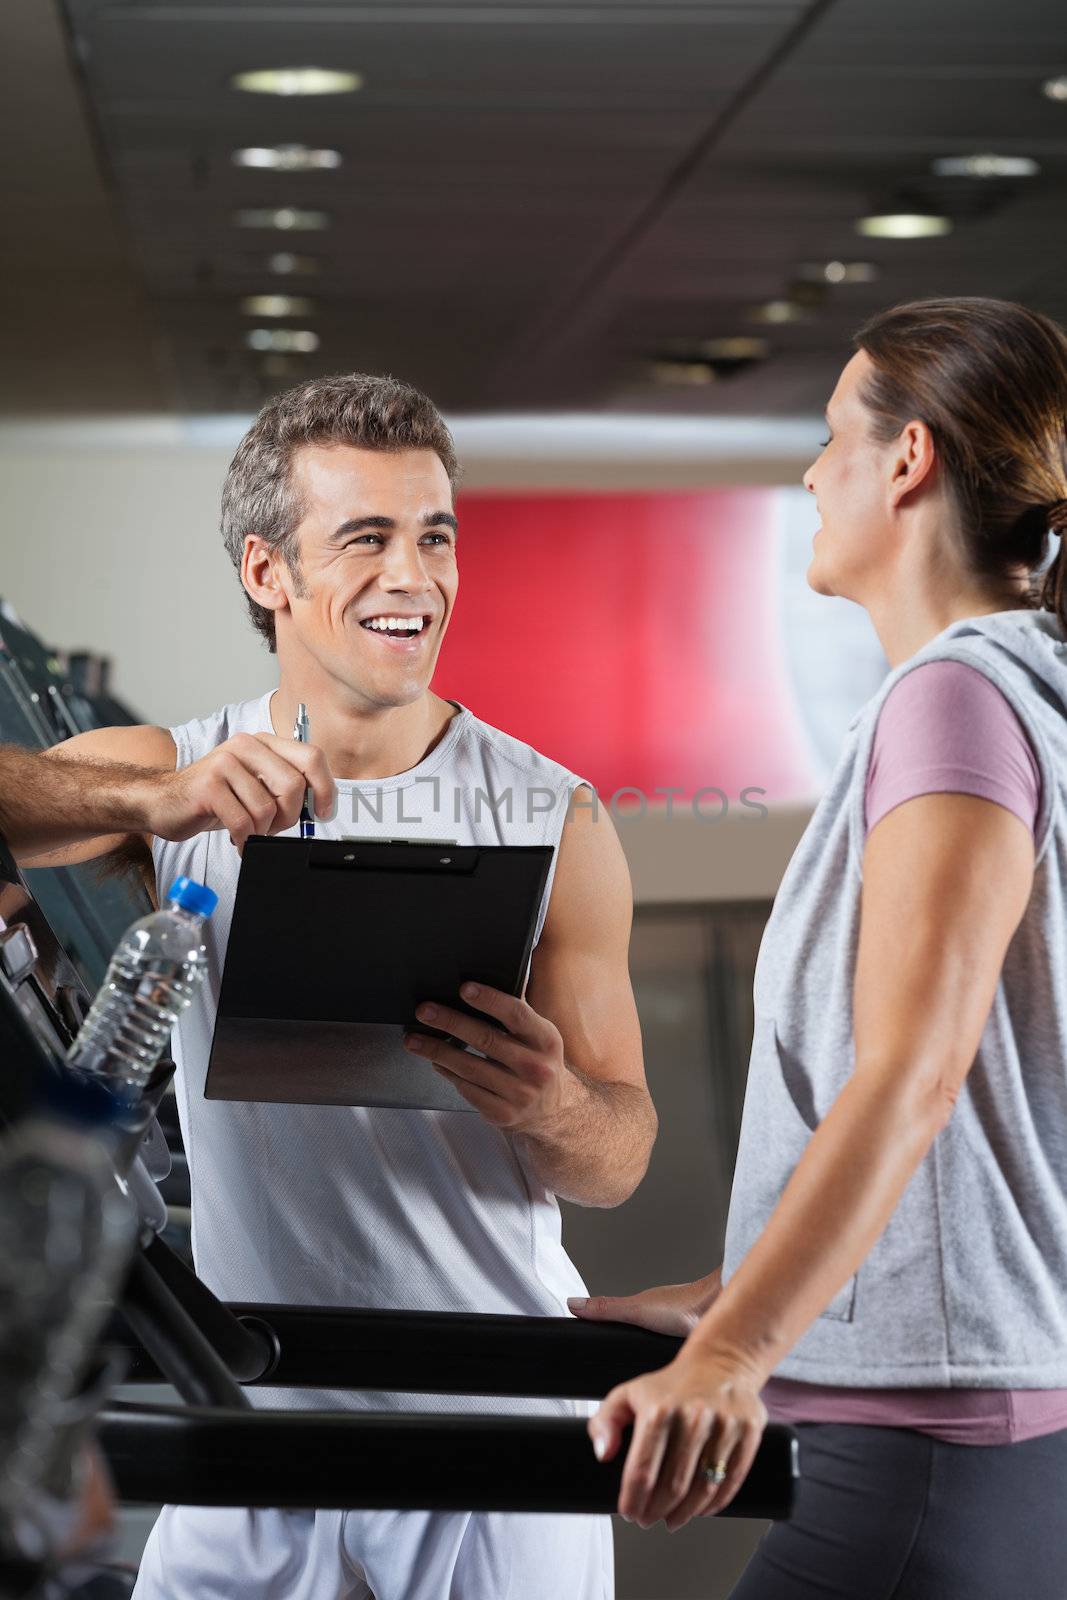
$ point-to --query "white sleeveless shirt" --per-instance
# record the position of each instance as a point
(356, 1206)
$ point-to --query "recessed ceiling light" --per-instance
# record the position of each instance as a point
(287, 158)
(283, 341)
(288, 219)
(1055, 88)
(738, 347)
(297, 80)
(904, 225)
(277, 305)
(285, 264)
(690, 374)
(839, 271)
(778, 311)
(985, 167)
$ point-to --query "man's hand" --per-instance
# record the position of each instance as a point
(253, 783)
(676, 1308)
(524, 1084)
(563, 1078)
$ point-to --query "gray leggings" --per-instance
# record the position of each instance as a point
(890, 1514)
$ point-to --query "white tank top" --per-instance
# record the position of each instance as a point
(354, 1206)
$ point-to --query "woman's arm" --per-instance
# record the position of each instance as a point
(946, 881)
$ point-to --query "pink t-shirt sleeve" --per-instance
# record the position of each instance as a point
(946, 728)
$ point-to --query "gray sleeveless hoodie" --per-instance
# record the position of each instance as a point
(967, 1286)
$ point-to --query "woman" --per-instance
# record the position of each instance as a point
(896, 1249)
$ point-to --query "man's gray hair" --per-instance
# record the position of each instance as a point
(372, 413)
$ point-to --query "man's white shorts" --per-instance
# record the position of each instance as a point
(203, 1553)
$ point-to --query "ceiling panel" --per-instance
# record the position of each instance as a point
(533, 197)
(381, 146)
(160, 58)
(75, 334)
(847, 123)
(309, 12)
(484, 172)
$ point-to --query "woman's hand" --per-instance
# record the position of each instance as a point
(676, 1308)
(702, 1410)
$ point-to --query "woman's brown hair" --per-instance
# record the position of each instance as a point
(989, 379)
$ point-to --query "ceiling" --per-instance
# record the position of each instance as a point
(535, 200)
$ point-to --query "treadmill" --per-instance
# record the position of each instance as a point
(39, 708)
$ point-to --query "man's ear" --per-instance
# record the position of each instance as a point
(261, 573)
(914, 461)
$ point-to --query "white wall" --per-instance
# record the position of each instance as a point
(118, 551)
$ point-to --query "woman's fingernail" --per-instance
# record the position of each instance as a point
(470, 991)
(426, 1013)
(577, 1300)
(600, 1444)
(412, 1042)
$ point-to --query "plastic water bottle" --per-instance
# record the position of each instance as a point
(155, 969)
(66, 1235)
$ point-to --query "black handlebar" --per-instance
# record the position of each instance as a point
(322, 1460)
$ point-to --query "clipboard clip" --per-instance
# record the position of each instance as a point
(382, 855)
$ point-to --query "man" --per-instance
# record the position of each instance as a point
(338, 513)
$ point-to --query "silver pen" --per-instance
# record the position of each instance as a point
(302, 732)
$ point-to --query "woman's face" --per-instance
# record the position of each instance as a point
(851, 481)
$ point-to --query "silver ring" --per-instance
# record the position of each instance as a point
(715, 1474)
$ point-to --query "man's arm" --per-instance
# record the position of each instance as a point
(596, 1149)
(115, 789)
(83, 798)
(567, 1080)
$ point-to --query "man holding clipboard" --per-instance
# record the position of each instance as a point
(338, 513)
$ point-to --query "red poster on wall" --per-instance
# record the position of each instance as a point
(632, 637)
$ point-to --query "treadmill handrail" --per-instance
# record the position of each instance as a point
(308, 1460)
(181, 1352)
(437, 1352)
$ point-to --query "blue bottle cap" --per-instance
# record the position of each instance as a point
(193, 896)
(79, 1098)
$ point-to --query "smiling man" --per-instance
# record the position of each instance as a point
(338, 513)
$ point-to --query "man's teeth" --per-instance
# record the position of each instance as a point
(395, 624)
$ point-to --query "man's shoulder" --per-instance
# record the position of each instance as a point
(509, 752)
(215, 727)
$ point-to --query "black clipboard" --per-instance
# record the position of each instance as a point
(335, 941)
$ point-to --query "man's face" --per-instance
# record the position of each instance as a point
(377, 547)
